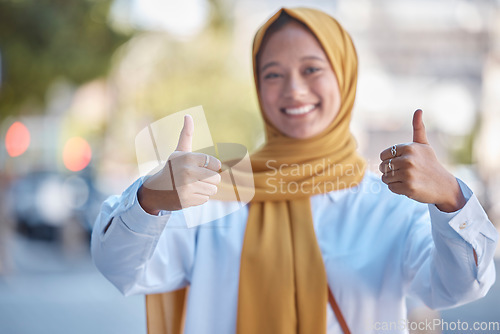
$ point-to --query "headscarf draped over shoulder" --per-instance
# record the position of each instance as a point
(283, 285)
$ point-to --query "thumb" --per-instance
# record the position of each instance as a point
(419, 135)
(186, 136)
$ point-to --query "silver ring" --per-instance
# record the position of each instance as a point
(393, 150)
(207, 161)
(390, 166)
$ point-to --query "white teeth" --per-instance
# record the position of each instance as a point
(301, 110)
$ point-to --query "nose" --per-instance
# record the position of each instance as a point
(295, 87)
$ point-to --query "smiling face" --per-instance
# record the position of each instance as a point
(298, 89)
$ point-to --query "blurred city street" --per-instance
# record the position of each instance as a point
(52, 292)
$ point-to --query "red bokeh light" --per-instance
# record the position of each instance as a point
(76, 154)
(17, 139)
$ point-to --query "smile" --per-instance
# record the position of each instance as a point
(299, 111)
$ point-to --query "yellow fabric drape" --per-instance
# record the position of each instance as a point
(283, 286)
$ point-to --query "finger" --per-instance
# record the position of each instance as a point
(186, 136)
(395, 164)
(397, 187)
(209, 176)
(194, 199)
(419, 135)
(391, 153)
(392, 177)
(202, 159)
(203, 188)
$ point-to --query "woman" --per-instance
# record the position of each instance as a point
(324, 248)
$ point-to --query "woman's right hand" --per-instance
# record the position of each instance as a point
(183, 181)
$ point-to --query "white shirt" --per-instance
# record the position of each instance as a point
(377, 248)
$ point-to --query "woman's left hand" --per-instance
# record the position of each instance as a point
(413, 170)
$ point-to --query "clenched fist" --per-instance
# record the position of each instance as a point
(187, 179)
(413, 170)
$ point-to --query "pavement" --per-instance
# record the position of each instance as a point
(51, 291)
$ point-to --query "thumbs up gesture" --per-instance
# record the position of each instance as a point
(187, 179)
(413, 170)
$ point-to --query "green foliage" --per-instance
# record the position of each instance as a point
(43, 40)
(219, 18)
(463, 153)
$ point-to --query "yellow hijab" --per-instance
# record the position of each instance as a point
(283, 285)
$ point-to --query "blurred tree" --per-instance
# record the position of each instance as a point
(157, 74)
(463, 153)
(44, 40)
(220, 17)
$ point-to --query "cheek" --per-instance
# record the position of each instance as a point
(269, 98)
(266, 110)
(331, 96)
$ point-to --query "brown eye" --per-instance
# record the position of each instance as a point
(311, 70)
(271, 76)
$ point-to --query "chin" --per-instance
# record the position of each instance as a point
(305, 133)
(300, 135)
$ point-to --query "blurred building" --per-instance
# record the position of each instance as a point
(487, 147)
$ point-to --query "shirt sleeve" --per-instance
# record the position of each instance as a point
(439, 264)
(140, 253)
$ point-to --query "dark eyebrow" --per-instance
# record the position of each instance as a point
(273, 63)
(312, 57)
